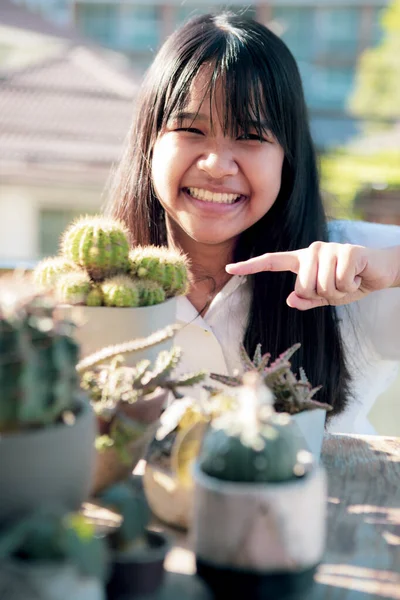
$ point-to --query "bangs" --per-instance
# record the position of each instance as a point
(251, 100)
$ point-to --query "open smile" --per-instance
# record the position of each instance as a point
(214, 200)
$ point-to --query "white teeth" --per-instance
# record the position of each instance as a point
(208, 196)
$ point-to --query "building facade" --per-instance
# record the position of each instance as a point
(326, 37)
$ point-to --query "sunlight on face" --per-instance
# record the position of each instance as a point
(212, 185)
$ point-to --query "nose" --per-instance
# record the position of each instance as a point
(218, 162)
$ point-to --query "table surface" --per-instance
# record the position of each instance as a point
(362, 556)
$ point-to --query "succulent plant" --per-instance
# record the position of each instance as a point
(98, 244)
(135, 512)
(121, 291)
(38, 355)
(95, 296)
(111, 386)
(150, 293)
(49, 269)
(51, 536)
(166, 266)
(73, 287)
(291, 394)
(254, 444)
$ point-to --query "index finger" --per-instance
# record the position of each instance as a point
(273, 261)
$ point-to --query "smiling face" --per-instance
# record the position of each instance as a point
(213, 184)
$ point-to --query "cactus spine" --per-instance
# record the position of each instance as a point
(244, 446)
(98, 244)
(165, 266)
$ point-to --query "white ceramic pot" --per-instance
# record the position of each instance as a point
(311, 424)
(101, 326)
(264, 528)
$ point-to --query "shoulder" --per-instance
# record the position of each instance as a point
(363, 233)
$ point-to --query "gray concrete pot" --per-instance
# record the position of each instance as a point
(50, 465)
(101, 326)
(262, 528)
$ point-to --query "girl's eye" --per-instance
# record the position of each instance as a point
(189, 129)
(253, 136)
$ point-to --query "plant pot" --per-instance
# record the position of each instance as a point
(172, 502)
(101, 326)
(50, 465)
(21, 580)
(139, 572)
(311, 424)
(109, 466)
(260, 531)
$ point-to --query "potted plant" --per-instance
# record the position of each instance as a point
(136, 553)
(293, 395)
(259, 503)
(49, 555)
(47, 426)
(128, 401)
(122, 293)
(168, 479)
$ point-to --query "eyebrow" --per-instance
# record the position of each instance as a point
(190, 116)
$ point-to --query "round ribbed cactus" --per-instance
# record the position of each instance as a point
(150, 293)
(73, 288)
(166, 266)
(49, 269)
(121, 291)
(97, 244)
(247, 447)
(95, 296)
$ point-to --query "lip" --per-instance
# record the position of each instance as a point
(214, 207)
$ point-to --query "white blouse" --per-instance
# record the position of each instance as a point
(370, 330)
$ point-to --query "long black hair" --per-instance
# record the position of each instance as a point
(262, 84)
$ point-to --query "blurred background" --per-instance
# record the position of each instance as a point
(70, 69)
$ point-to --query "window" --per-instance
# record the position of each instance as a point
(330, 87)
(52, 223)
(99, 22)
(139, 28)
(338, 31)
(297, 29)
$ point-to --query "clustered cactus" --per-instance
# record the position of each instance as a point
(38, 355)
(96, 267)
(291, 394)
(254, 444)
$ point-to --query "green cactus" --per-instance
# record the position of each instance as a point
(95, 296)
(135, 512)
(249, 447)
(98, 244)
(38, 355)
(73, 288)
(49, 269)
(166, 266)
(50, 536)
(292, 395)
(121, 291)
(150, 293)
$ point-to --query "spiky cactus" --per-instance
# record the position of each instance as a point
(254, 444)
(166, 266)
(120, 291)
(150, 293)
(95, 297)
(98, 244)
(292, 395)
(73, 288)
(38, 355)
(49, 269)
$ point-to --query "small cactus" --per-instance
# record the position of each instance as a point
(150, 293)
(95, 297)
(121, 291)
(49, 269)
(250, 447)
(73, 288)
(98, 244)
(166, 266)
